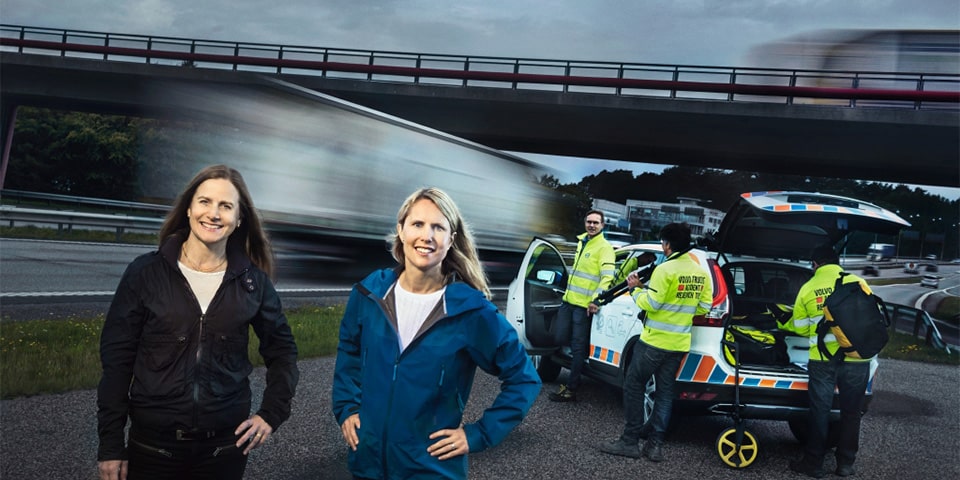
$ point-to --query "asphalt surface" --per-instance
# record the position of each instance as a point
(912, 431)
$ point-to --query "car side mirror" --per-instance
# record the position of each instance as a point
(546, 276)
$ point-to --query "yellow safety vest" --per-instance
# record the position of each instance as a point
(593, 269)
(808, 309)
(678, 290)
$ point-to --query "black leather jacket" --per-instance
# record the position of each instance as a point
(168, 366)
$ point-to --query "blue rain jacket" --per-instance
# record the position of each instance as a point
(404, 397)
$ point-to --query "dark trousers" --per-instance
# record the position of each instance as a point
(649, 361)
(155, 457)
(579, 322)
(850, 379)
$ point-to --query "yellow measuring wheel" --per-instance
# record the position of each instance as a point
(732, 455)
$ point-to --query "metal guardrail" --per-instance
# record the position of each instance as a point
(54, 199)
(66, 220)
(892, 89)
(923, 325)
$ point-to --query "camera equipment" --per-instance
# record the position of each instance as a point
(615, 291)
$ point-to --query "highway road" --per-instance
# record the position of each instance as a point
(53, 279)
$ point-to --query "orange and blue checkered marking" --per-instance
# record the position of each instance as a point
(698, 368)
(605, 355)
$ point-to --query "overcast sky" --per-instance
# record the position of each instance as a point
(688, 32)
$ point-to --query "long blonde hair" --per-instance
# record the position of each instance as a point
(462, 258)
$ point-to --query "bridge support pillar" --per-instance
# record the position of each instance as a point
(8, 118)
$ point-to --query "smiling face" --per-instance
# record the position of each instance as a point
(426, 237)
(593, 224)
(214, 211)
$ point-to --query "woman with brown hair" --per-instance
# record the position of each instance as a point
(174, 343)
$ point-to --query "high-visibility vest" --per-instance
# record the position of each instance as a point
(593, 269)
(678, 290)
(808, 309)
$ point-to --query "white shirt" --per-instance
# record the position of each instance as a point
(412, 311)
(204, 285)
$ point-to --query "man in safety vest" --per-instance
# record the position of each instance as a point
(678, 290)
(850, 375)
(593, 270)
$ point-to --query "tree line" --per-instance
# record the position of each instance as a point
(139, 159)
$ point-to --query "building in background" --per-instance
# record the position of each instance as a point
(615, 216)
(647, 218)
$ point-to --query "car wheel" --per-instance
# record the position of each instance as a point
(649, 394)
(798, 427)
(546, 368)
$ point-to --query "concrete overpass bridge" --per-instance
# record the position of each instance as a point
(882, 126)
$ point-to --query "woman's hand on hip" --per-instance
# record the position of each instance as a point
(450, 443)
(254, 432)
(112, 469)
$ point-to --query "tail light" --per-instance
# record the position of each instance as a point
(721, 300)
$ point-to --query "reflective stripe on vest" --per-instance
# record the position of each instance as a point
(668, 327)
(672, 307)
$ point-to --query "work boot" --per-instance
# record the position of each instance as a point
(619, 447)
(807, 468)
(653, 450)
(845, 470)
(564, 395)
(645, 431)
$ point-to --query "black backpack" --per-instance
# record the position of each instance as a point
(858, 319)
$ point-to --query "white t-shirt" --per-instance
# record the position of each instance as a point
(204, 285)
(412, 311)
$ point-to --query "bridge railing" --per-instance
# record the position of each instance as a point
(854, 89)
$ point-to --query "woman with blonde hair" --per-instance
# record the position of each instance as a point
(411, 340)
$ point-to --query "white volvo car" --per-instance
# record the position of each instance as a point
(758, 259)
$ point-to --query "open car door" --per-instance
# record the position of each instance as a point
(535, 296)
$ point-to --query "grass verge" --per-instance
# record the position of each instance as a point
(52, 356)
(948, 309)
(77, 235)
(910, 348)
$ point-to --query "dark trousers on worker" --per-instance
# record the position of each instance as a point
(850, 379)
(662, 365)
(574, 319)
(199, 455)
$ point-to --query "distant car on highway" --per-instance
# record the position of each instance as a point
(618, 239)
(911, 267)
(930, 257)
(931, 267)
(928, 280)
(871, 270)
